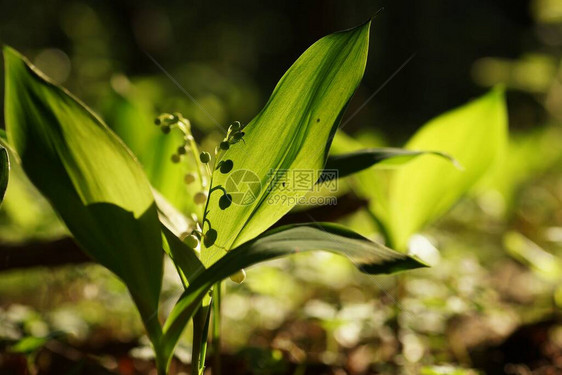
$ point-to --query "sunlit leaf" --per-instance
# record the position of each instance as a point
(419, 192)
(292, 132)
(387, 157)
(368, 256)
(90, 177)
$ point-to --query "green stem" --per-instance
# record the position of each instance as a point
(200, 332)
(186, 129)
(217, 329)
(161, 365)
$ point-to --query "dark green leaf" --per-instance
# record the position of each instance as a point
(90, 178)
(4, 172)
(368, 256)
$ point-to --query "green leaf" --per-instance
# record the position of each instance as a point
(543, 263)
(386, 157)
(170, 217)
(131, 115)
(30, 344)
(184, 257)
(368, 256)
(4, 172)
(90, 178)
(292, 132)
(25, 213)
(424, 189)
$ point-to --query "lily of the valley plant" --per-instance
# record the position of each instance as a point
(97, 187)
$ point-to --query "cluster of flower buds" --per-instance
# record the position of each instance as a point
(233, 136)
(169, 121)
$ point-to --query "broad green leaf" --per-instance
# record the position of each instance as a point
(419, 192)
(292, 132)
(90, 178)
(4, 172)
(368, 256)
(387, 157)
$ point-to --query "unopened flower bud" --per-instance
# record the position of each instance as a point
(205, 157)
(182, 150)
(165, 129)
(224, 145)
(192, 241)
(176, 158)
(189, 178)
(235, 126)
(236, 137)
(238, 277)
(200, 197)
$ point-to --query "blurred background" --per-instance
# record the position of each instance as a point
(491, 304)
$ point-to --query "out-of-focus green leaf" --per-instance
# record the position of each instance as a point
(91, 179)
(131, 116)
(529, 253)
(368, 256)
(30, 344)
(25, 213)
(387, 157)
(4, 172)
(419, 192)
(292, 132)
(529, 154)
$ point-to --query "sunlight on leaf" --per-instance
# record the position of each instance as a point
(90, 177)
(293, 131)
(421, 191)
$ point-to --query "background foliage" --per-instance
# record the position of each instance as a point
(495, 284)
